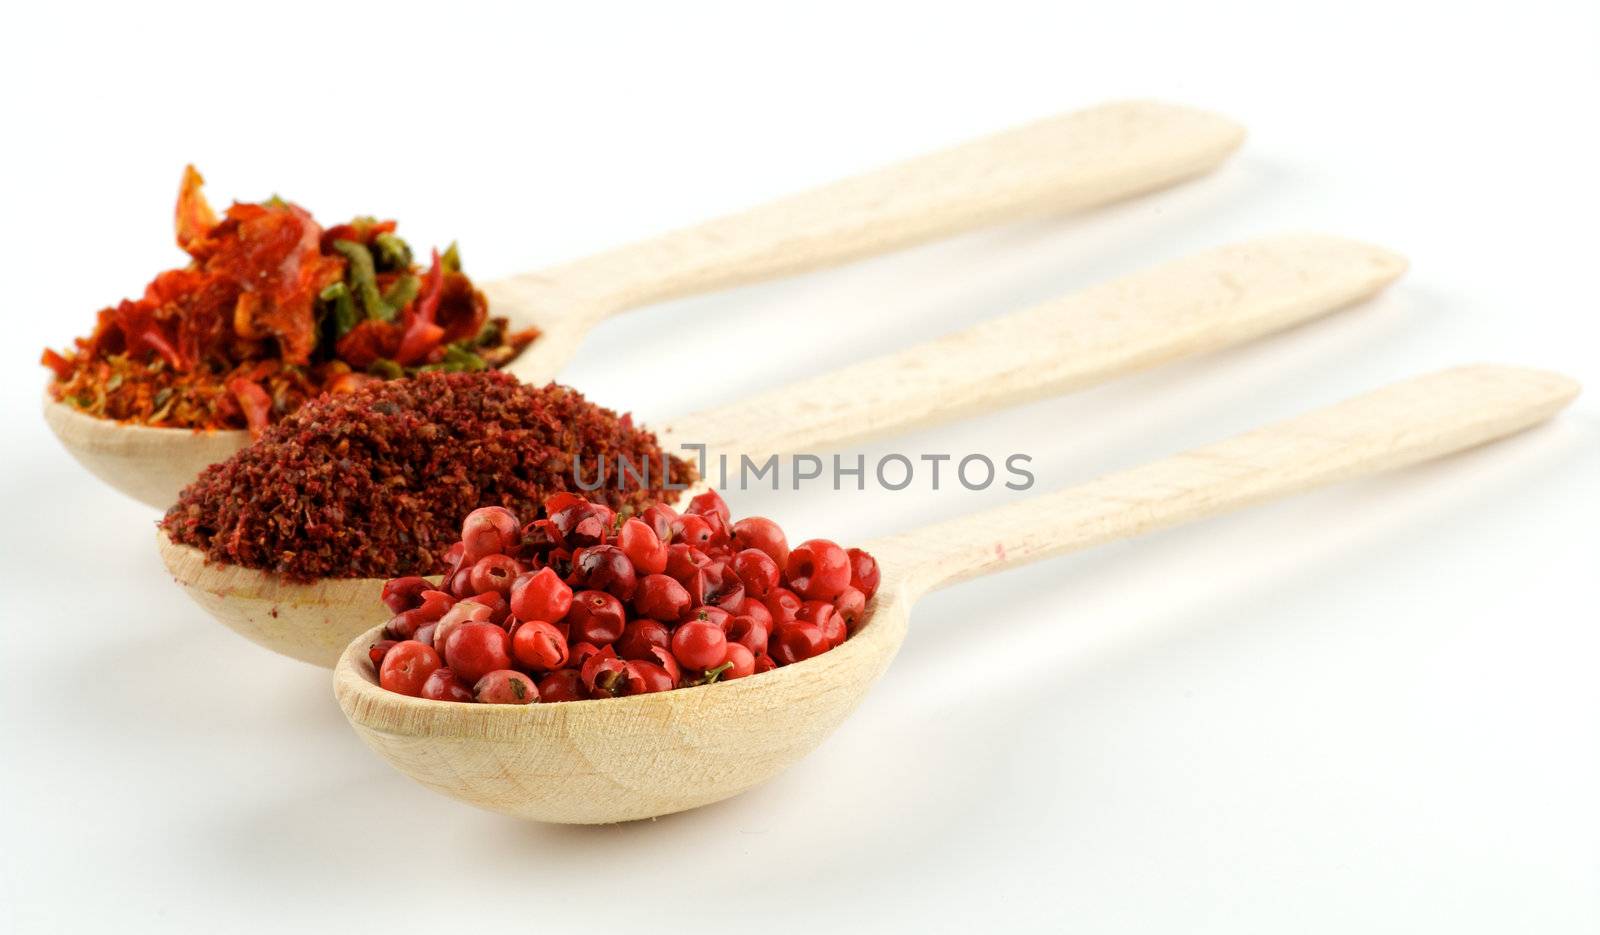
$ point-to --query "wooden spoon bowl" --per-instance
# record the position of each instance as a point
(1213, 300)
(647, 755)
(1071, 162)
(591, 762)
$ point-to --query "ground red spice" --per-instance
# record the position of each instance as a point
(375, 483)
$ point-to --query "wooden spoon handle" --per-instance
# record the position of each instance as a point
(1203, 303)
(1075, 161)
(1398, 425)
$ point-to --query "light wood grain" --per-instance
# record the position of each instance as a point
(648, 755)
(1079, 160)
(148, 464)
(1076, 161)
(305, 621)
(1399, 425)
(1217, 299)
(1212, 300)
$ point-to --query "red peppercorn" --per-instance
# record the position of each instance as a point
(710, 503)
(704, 583)
(782, 604)
(538, 646)
(499, 607)
(487, 531)
(473, 650)
(662, 519)
(564, 685)
(403, 594)
(459, 583)
(444, 685)
(505, 686)
(378, 650)
(721, 535)
(435, 604)
(494, 573)
(740, 662)
(757, 610)
(816, 612)
(830, 622)
(749, 633)
(582, 524)
(723, 587)
(559, 501)
(642, 678)
(604, 675)
(757, 571)
(403, 626)
(640, 637)
(425, 633)
(604, 568)
(852, 606)
(712, 615)
(818, 569)
(668, 662)
(695, 531)
(643, 547)
(758, 532)
(796, 642)
(661, 598)
(406, 667)
(699, 644)
(538, 538)
(579, 651)
(764, 663)
(559, 561)
(463, 612)
(596, 617)
(864, 573)
(683, 561)
(541, 595)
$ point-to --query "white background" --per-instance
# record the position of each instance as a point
(1369, 709)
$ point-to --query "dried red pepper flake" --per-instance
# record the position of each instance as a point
(373, 483)
(255, 403)
(271, 298)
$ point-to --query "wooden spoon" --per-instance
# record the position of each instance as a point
(1080, 160)
(1203, 303)
(646, 755)
(1213, 300)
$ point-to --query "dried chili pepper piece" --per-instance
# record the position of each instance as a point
(271, 298)
(255, 403)
(193, 217)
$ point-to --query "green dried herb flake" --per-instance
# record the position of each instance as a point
(362, 277)
(342, 306)
(394, 254)
(401, 292)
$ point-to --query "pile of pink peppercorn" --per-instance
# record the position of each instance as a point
(582, 604)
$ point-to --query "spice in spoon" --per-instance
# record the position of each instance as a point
(584, 603)
(373, 483)
(272, 310)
